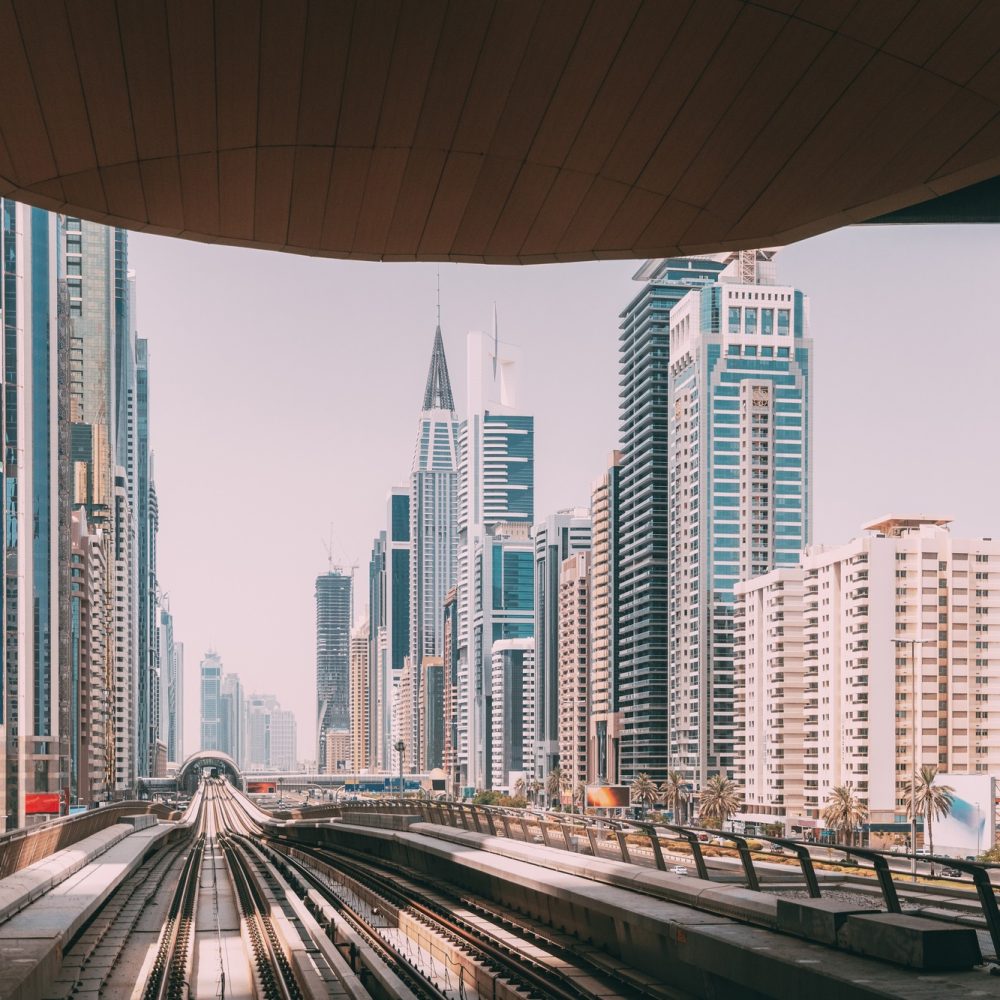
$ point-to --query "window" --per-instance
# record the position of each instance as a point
(751, 320)
(783, 322)
(734, 319)
(74, 243)
(74, 265)
(767, 321)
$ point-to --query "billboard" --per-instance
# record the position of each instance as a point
(608, 797)
(968, 829)
(42, 803)
(261, 788)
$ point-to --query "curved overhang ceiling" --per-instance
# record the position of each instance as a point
(520, 131)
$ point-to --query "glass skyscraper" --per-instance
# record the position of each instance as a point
(333, 635)
(496, 503)
(740, 486)
(644, 513)
(433, 531)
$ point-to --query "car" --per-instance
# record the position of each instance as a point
(922, 852)
(951, 873)
(678, 870)
(898, 849)
(777, 849)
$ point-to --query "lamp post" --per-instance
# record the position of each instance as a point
(400, 748)
(917, 724)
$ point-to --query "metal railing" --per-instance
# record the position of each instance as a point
(567, 830)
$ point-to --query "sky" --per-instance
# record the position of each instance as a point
(285, 392)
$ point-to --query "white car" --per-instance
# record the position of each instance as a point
(678, 870)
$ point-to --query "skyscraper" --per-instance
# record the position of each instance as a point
(36, 689)
(512, 709)
(333, 629)
(271, 735)
(740, 422)
(146, 519)
(396, 634)
(495, 486)
(433, 527)
(171, 657)
(604, 719)
(360, 717)
(102, 394)
(211, 702)
(574, 664)
(643, 506)
(373, 692)
(556, 539)
(233, 719)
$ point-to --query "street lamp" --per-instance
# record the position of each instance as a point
(916, 728)
(400, 748)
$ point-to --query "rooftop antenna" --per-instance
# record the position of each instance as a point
(439, 296)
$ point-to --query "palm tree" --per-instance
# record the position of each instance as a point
(719, 801)
(644, 791)
(844, 813)
(552, 782)
(674, 793)
(928, 799)
(519, 786)
(534, 787)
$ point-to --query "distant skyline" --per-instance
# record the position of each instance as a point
(286, 392)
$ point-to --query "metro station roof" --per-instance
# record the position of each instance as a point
(501, 132)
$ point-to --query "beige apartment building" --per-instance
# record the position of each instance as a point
(866, 661)
(574, 654)
(360, 717)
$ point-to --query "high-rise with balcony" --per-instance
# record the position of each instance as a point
(867, 661)
(360, 717)
(740, 422)
(574, 669)
(603, 715)
(556, 538)
(643, 509)
(433, 520)
(496, 505)
(333, 630)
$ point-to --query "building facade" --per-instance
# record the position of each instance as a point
(431, 736)
(333, 629)
(644, 508)
(556, 539)
(496, 493)
(604, 716)
(360, 717)
(740, 424)
(512, 710)
(898, 665)
(574, 670)
(210, 737)
(433, 528)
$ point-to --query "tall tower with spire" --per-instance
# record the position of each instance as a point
(433, 529)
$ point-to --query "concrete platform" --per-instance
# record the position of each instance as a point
(703, 951)
(33, 938)
(916, 942)
(24, 887)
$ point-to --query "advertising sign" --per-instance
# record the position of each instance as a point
(261, 788)
(607, 797)
(968, 829)
(42, 803)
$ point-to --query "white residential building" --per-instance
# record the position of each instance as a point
(900, 643)
(512, 708)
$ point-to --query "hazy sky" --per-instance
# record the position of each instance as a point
(286, 390)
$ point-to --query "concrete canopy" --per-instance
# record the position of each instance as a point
(506, 132)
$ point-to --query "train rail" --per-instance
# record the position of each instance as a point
(513, 950)
(170, 974)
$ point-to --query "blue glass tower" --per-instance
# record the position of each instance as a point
(643, 509)
(739, 409)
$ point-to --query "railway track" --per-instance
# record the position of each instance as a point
(513, 951)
